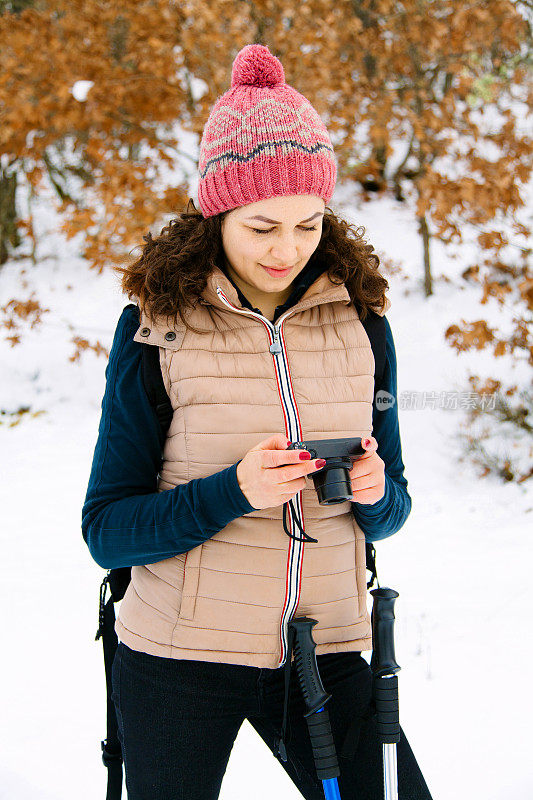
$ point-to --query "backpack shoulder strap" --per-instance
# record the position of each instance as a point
(118, 580)
(376, 331)
(154, 385)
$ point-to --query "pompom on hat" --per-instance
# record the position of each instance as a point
(262, 139)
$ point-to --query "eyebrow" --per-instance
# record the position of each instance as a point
(275, 222)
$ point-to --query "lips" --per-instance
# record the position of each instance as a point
(277, 273)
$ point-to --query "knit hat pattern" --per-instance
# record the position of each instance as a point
(262, 139)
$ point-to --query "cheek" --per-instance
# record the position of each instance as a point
(253, 250)
(243, 251)
(312, 244)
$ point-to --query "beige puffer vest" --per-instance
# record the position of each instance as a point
(308, 376)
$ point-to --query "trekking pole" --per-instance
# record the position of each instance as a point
(384, 668)
(315, 698)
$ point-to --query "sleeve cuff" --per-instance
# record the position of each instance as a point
(222, 499)
(239, 498)
(376, 509)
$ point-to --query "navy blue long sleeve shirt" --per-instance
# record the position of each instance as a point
(127, 522)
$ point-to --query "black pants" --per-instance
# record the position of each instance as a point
(178, 720)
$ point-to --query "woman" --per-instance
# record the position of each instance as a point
(256, 306)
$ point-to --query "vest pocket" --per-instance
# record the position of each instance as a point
(191, 579)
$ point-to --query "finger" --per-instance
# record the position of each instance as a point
(277, 458)
(303, 469)
(367, 482)
(363, 466)
(272, 448)
(276, 442)
(366, 496)
(370, 443)
(293, 485)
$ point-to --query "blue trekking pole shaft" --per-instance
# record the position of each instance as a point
(384, 669)
(315, 699)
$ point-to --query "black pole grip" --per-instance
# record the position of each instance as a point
(322, 745)
(384, 666)
(387, 709)
(383, 661)
(304, 656)
(315, 698)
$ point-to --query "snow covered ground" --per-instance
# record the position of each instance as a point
(461, 563)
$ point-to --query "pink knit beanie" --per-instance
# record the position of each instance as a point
(262, 139)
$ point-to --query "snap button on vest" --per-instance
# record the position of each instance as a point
(170, 336)
(145, 332)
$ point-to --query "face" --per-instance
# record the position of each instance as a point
(286, 234)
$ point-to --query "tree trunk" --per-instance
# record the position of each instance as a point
(8, 214)
(423, 228)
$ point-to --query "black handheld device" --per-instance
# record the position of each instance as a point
(332, 483)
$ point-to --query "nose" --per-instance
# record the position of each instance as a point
(285, 250)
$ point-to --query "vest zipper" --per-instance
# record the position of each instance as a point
(294, 433)
(275, 347)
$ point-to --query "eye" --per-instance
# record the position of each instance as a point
(269, 230)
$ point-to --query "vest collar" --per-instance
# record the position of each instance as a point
(312, 288)
(301, 283)
(320, 290)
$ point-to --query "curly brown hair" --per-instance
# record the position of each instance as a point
(173, 269)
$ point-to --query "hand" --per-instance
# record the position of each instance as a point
(269, 474)
(368, 475)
